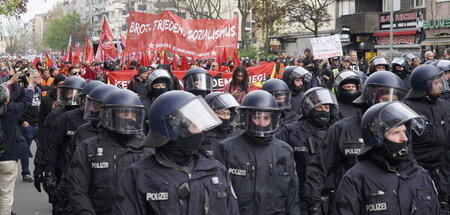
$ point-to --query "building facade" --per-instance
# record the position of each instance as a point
(437, 26)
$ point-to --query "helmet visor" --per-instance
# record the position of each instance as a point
(159, 73)
(443, 65)
(438, 84)
(301, 73)
(259, 123)
(224, 101)
(397, 114)
(199, 82)
(91, 109)
(377, 94)
(318, 97)
(124, 120)
(343, 76)
(194, 117)
(283, 98)
(69, 96)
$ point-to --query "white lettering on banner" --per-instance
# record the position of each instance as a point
(326, 47)
(240, 172)
(101, 165)
(122, 84)
(221, 82)
(157, 196)
(257, 78)
(376, 207)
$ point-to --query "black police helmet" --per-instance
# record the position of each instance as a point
(198, 81)
(275, 85)
(100, 92)
(220, 100)
(95, 99)
(173, 114)
(74, 82)
(69, 93)
(259, 114)
(399, 61)
(379, 84)
(421, 79)
(90, 86)
(318, 96)
(122, 112)
(384, 116)
(379, 61)
(280, 90)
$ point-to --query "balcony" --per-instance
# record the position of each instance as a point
(360, 23)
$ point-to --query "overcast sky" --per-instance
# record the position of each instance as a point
(37, 7)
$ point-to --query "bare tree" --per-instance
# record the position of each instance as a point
(269, 16)
(200, 9)
(311, 14)
(15, 37)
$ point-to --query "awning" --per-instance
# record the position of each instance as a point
(381, 34)
(437, 42)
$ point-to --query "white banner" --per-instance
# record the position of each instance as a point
(326, 47)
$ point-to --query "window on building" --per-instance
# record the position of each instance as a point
(346, 7)
(387, 5)
(142, 7)
(419, 3)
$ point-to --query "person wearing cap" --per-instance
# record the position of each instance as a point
(345, 63)
(331, 71)
(139, 82)
(98, 162)
(387, 179)
(432, 148)
(343, 140)
(176, 179)
(261, 167)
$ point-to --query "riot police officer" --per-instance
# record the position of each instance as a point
(158, 82)
(387, 180)
(401, 68)
(343, 139)
(282, 94)
(298, 80)
(444, 66)
(198, 82)
(347, 86)
(379, 63)
(319, 110)
(177, 179)
(98, 162)
(431, 148)
(224, 106)
(68, 98)
(261, 167)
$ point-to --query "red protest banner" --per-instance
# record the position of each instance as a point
(202, 38)
(256, 75)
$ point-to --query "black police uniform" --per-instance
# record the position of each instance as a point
(263, 174)
(372, 187)
(348, 110)
(154, 186)
(216, 135)
(95, 168)
(65, 130)
(428, 147)
(336, 155)
(84, 132)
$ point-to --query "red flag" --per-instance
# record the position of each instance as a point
(48, 60)
(144, 60)
(107, 40)
(123, 40)
(36, 60)
(62, 51)
(236, 60)
(218, 62)
(69, 56)
(184, 63)
(76, 56)
(99, 56)
(88, 52)
(224, 57)
(174, 63)
(166, 59)
(193, 60)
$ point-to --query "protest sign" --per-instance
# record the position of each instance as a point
(326, 47)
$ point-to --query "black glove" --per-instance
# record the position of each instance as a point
(314, 207)
(50, 186)
(445, 209)
(38, 180)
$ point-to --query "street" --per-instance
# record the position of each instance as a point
(27, 200)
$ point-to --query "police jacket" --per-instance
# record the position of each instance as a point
(155, 186)
(65, 130)
(95, 169)
(84, 132)
(288, 116)
(296, 102)
(432, 147)
(263, 175)
(214, 136)
(348, 110)
(14, 146)
(305, 139)
(374, 187)
(336, 155)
